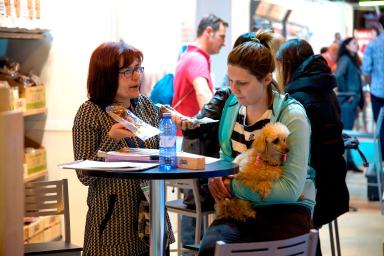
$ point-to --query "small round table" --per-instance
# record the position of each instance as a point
(157, 191)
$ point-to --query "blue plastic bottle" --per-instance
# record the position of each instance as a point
(167, 143)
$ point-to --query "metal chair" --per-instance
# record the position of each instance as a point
(334, 227)
(378, 160)
(180, 208)
(47, 198)
(301, 245)
(350, 142)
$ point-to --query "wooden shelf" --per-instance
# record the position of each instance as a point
(35, 111)
(35, 176)
(21, 33)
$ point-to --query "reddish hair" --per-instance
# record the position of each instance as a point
(103, 72)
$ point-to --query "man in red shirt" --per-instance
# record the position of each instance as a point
(192, 83)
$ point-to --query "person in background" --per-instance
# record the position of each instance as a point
(308, 79)
(114, 77)
(323, 49)
(193, 85)
(349, 88)
(373, 71)
(252, 103)
(331, 56)
(337, 39)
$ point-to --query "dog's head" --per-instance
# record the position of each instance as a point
(271, 143)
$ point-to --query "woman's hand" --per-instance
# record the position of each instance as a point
(227, 182)
(118, 132)
(218, 189)
(183, 122)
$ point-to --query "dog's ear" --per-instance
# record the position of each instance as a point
(259, 144)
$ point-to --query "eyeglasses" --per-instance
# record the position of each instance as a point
(129, 72)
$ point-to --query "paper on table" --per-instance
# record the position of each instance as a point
(107, 166)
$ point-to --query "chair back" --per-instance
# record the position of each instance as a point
(46, 198)
(301, 245)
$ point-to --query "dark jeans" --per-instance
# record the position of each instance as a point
(348, 113)
(188, 228)
(273, 222)
(377, 104)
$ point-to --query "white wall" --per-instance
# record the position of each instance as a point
(77, 28)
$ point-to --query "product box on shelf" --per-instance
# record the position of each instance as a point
(52, 233)
(43, 229)
(37, 238)
(35, 157)
(26, 97)
(34, 228)
(34, 96)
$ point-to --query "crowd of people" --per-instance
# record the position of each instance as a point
(268, 80)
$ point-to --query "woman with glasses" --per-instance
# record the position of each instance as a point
(114, 77)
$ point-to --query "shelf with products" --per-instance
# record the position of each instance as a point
(28, 49)
(21, 33)
(36, 111)
(35, 176)
(28, 96)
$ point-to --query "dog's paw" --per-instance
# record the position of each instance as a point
(264, 188)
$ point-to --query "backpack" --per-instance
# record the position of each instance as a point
(162, 91)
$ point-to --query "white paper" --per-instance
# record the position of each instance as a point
(115, 166)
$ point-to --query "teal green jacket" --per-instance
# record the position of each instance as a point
(298, 177)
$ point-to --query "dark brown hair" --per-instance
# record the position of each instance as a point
(289, 57)
(344, 51)
(103, 72)
(210, 21)
(255, 56)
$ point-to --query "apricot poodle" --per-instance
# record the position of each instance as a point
(259, 166)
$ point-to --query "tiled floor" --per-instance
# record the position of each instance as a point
(362, 231)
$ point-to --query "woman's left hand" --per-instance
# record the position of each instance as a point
(118, 132)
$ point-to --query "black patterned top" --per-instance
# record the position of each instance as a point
(112, 219)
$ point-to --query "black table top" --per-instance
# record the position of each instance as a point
(215, 169)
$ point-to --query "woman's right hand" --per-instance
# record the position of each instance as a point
(118, 132)
(183, 122)
(218, 189)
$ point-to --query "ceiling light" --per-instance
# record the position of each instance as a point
(371, 3)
